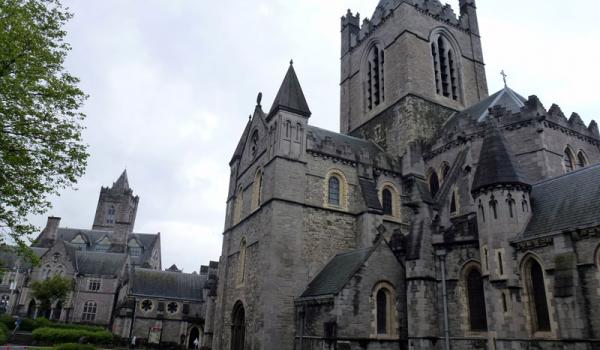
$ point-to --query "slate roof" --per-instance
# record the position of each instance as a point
(99, 263)
(496, 165)
(166, 284)
(356, 144)
(9, 257)
(479, 112)
(336, 273)
(122, 182)
(290, 96)
(369, 192)
(566, 202)
(240, 147)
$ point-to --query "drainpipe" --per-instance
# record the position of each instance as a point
(442, 256)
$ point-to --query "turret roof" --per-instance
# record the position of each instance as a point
(496, 165)
(290, 96)
(122, 182)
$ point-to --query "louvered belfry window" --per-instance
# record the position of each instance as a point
(445, 68)
(375, 78)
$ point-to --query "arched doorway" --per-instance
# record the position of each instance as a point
(238, 327)
(194, 334)
(31, 309)
(57, 311)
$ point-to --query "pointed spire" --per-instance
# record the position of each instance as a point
(290, 96)
(496, 165)
(122, 182)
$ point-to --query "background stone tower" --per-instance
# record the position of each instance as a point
(117, 207)
(405, 70)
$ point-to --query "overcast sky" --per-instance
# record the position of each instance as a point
(172, 82)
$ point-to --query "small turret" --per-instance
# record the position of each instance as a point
(468, 10)
(350, 31)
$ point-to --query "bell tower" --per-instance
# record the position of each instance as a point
(405, 70)
(117, 207)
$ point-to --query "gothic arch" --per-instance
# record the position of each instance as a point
(447, 61)
(537, 294)
(444, 171)
(238, 205)
(473, 295)
(238, 326)
(433, 181)
(568, 159)
(373, 74)
(257, 188)
(582, 159)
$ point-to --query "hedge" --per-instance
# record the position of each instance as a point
(57, 335)
(28, 324)
(74, 346)
(4, 332)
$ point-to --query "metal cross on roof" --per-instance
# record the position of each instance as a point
(503, 77)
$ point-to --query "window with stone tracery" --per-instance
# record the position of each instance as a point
(89, 311)
(581, 160)
(568, 160)
(146, 305)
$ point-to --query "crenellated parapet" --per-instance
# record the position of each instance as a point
(432, 8)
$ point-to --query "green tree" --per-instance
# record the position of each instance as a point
(51, 290)
(41, 148)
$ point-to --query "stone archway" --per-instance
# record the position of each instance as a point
(194, 334)
(238, 327)
(31, 309)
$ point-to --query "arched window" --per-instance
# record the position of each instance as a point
(241, 277)
(382, 311)
(110, 216)
(524, 204)
(375, 78)
(387, 202)
(476, 300)
(89, 311)
(288, 129)
(434, 183)
(453, 203)
(481, 211)
(254, 144)
(445, 67)
(257, 190)
(494, 206)
(384, 303)
(511, 205)
(581, 159)
(568, 160)
(238, 327)
(334, 191)
(537, 294)
(445, 170)
(239, 202)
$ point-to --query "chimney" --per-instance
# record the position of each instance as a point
(51, 230)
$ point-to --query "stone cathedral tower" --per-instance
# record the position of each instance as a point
(407, 69)
(117, 207)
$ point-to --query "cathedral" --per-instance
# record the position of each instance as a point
(117, 278)
(440, 216)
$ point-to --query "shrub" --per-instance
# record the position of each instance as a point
(8, 321)
(41, 322)
(27, 324)
(58, 335)
(3, 334)
(74, 346)
(77, 326)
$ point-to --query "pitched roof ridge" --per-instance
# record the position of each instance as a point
(574, 172)
(344, 135)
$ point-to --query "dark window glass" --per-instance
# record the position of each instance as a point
(477, 315)
(382, 310)
(434, 184)
(581, 161)
(386, 197)
(453, 203)
(539, 297)
(334, 191)
(568, 160)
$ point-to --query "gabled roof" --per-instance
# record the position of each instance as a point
(290, 96)
(496, 165)
(479, 112)
(566, 202)
(166, 284)
(337, 272)
(99, 263)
